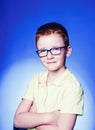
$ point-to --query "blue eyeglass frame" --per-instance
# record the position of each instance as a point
(49, 50)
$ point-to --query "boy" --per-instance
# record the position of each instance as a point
(54, 97)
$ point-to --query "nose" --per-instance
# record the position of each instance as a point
(49, 55)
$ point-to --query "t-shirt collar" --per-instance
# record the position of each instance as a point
(56, 82)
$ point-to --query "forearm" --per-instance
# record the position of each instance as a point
(31, 120)
(47, 127)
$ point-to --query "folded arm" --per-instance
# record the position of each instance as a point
(65, 122)
(27, 117)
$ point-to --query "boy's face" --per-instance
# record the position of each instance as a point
(53, 62)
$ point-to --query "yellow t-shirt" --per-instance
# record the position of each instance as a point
(64, 94)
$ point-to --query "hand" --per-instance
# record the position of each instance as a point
(52, 121)
(54, 117)
(33, 107)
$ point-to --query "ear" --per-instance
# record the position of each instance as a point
(69, 51)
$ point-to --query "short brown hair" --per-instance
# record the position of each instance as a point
(50, 28)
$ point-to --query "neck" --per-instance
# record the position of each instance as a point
(52, 75)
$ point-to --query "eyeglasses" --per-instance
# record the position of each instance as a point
(53, 51)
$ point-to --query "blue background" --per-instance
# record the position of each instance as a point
(19, 20)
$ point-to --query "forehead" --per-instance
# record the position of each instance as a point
(49, 41)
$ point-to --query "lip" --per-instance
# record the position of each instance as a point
(51, 62)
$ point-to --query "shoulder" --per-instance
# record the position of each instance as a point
(71, 82)
(40, 77)
(71, 77)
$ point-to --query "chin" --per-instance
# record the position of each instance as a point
(52, 69)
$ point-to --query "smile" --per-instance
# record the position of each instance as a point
(51, 62)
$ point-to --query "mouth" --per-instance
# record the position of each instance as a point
(51, 62)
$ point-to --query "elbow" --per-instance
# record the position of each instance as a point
(16, 122)
(19, 121)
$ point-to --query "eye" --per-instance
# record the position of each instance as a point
(41, 51)
(56, 48)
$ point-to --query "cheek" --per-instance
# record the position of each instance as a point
(62, 59)
(42, 60)
(62, 56)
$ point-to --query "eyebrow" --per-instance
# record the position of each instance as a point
(50, 48)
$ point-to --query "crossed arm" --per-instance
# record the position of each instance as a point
(27, 117)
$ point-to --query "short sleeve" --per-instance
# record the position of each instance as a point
(29, 94)
(73, 99)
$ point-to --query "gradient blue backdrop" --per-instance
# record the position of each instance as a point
(19, 20)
